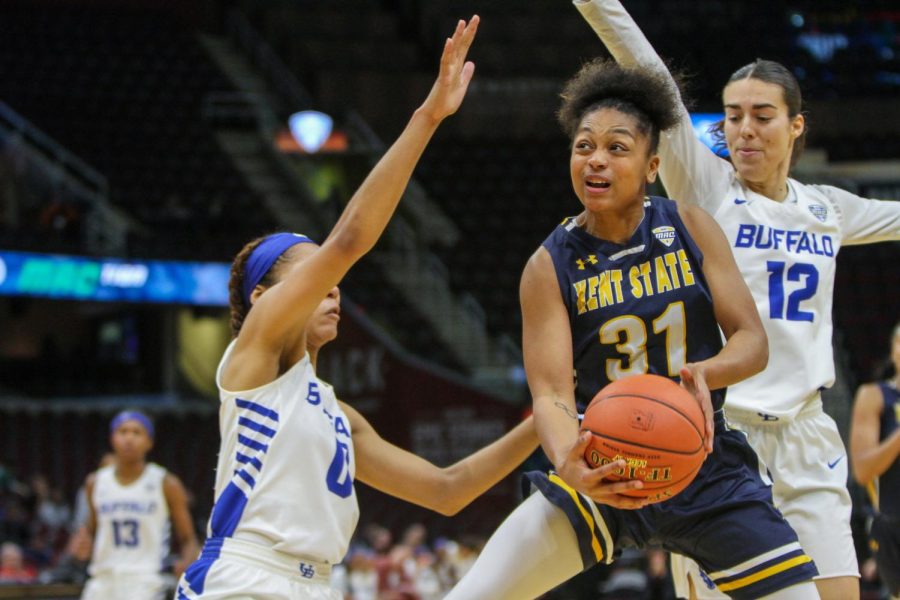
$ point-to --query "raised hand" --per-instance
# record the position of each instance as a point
(693, 380)
(456, 72)
(591, 481)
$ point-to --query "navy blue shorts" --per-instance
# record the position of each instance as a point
(885, 538)
(724, 520)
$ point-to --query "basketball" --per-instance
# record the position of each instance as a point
(652, 423)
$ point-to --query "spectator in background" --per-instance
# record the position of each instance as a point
(14, 524)
(363, 576)
(8, 482)
(14, 519)
(13, 568)
(52, 513)
(426, 583)
(874, 451)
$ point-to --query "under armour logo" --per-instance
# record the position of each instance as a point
(592, 258)
(308, 571)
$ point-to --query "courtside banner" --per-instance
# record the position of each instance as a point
(113, 280)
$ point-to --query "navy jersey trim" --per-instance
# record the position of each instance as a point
(766, 574)
(594, 540)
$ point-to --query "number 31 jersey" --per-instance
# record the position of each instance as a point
(641, 307)
(132, 523)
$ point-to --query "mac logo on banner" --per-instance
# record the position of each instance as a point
(310, 128)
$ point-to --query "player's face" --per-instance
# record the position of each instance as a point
(759, 133)
(610, 163)
(322, 326)
(130, 441)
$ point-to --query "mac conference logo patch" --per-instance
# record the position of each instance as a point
(818, 211)
(665, 234)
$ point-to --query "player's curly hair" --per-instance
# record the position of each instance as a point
(236, 304)
(645, 94)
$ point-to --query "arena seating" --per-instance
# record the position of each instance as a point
(87, 75)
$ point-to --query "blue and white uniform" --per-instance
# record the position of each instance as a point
(132, 537)
(885, 495)
(787, 253)
(645, 307)
(285, 506)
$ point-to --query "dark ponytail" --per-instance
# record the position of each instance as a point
(239, 308)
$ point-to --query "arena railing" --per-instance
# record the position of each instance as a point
(106, 228)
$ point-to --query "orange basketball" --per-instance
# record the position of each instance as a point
(655, 425)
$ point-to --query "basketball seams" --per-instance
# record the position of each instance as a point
(676, 409)
(639, 445)
(628, 429)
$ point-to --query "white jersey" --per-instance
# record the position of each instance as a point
(286, 467)
(786, 251)
(133, 527)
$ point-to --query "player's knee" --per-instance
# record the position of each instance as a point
(838, 588)
(802, 591)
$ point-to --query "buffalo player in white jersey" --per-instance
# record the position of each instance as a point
(285, 506)
(131, 504)
(785, 236)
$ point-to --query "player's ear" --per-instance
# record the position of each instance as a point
(798, 125)
(652, 168)
(256, 293)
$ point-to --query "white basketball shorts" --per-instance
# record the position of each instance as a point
(809, 466)
(241, 570)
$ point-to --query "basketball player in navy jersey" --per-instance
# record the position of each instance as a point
(635, 285)
(785, 235)
(874, 452)
(131, 503)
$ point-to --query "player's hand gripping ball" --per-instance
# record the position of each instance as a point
(652, 423)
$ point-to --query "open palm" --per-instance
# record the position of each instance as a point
(453, 79)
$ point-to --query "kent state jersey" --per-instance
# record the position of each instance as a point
(641, 307)
(887, 490)
(286, 467)
(132, 523)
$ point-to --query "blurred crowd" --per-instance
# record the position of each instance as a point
(40, 538)
(379, 568)
(38, 531)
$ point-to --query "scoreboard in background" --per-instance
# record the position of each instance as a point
(113, 280)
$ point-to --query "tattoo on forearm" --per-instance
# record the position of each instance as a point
(567, 410)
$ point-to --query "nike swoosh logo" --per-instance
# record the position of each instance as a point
(833, 464)
(739, 201)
